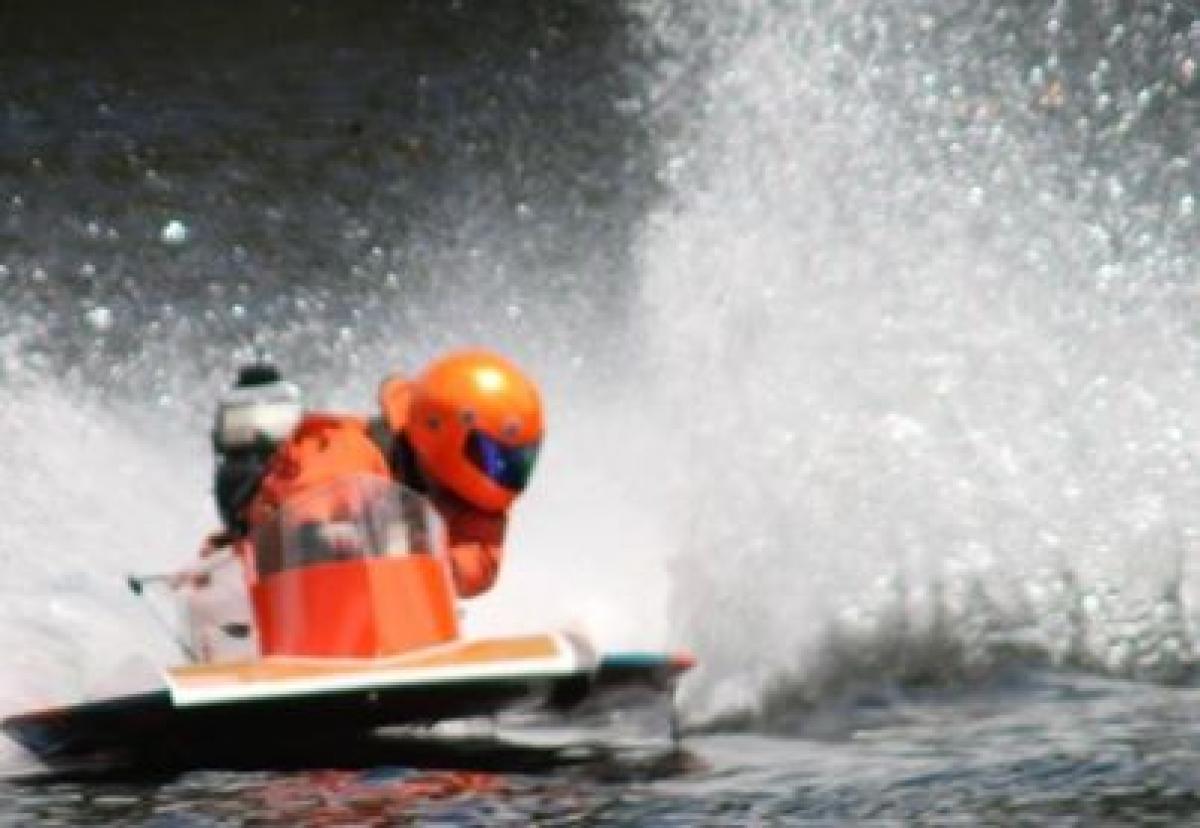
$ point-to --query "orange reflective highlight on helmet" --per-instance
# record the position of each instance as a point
(474, 421)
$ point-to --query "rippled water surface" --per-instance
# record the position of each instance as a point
(1044, 747)
(868, 333)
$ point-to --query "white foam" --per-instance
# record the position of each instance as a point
(889, 350)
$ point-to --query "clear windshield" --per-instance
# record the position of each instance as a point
(355, 516)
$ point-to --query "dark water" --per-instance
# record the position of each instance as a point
(889, 315)
(1044, 748)
(328, 166)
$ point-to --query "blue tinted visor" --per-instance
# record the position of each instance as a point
(507, 466)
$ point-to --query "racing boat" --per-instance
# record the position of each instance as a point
(336, 618)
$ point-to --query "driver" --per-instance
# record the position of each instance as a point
(465, 433)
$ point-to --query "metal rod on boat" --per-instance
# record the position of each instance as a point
(135, 586)
(174, 579)
(137, 583)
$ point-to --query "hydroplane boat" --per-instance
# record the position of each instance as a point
(335, 619)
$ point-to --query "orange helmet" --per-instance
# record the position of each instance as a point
(474, 421)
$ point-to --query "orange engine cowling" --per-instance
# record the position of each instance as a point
(358, 608)
(352, 569)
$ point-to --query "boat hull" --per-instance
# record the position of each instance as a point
(209, 715)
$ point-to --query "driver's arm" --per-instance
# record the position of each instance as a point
(476, 546)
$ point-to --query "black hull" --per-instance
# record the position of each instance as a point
(149, 730)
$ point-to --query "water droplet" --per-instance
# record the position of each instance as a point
(1187, 71)
(100, 318)
(513, 311)
(1187, 205)
(627, 106)
(87, 270)
(238, 311)
(173, 232)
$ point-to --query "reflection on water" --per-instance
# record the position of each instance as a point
(339, 797)
(1049, 747)
(466, 781)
